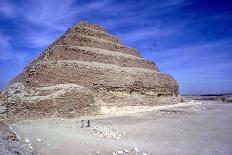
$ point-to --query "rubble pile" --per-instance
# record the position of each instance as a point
(105, 132)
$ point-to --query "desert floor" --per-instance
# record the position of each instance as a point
(189, 130)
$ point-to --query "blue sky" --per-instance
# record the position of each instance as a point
(191, 40)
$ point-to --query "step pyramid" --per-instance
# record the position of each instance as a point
(86, 69)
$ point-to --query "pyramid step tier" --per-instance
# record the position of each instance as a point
(92, 26)
(91, 54)
(98, 76)
(84, 40)
(95, 33)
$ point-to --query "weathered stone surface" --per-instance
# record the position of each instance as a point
(91, 54)
(86, 29)
(84, 40)
(11, 144)
(83, 70)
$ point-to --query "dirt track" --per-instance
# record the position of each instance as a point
(197, 129)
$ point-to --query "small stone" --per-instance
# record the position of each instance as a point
(100, 136)
(29, 146)
(125, 151)
(26, 140)
(120, 152)
(38, 140)
(135, 149)
(97, 152)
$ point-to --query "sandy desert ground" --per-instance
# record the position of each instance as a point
(189, 130)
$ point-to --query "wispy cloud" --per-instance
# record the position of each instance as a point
(7, 52)
(189, 39)
(7, 9)
(43, 21)
(157, 31)
(54, 17)
(40, 39)
(48, 14)
(214, 50)
(198, 66)
(12, 61)
(4, 48)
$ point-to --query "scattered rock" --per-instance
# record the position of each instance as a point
(2, 109)
(27, 140)
(119, 152)
(38, 140)
(227, 99)
(11, 143)
(125, 151)
(104, 132)
(170, 112)
(135, 149)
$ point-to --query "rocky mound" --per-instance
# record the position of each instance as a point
(11, 144)
(86, 69)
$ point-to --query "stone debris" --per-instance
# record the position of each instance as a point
(120, 152)
(125, 151)
(170, 112)
(28, 143)
(104, 132)
(11, 143)
(133, 151)
(2, 109)
(38, 140)
(227, 99)
(26, 140)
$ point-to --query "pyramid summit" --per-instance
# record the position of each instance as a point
(83, 71)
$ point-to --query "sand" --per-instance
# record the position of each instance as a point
(188, 129)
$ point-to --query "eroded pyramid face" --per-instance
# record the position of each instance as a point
(84, 70)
